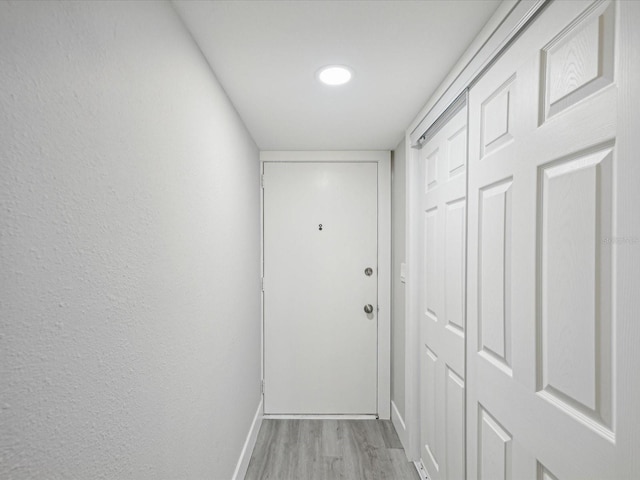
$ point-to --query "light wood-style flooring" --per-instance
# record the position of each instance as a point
(329, 450)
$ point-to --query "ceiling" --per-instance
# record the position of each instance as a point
(266, 54)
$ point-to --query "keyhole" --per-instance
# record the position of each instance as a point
(320, 227)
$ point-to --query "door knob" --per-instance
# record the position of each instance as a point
(368, 308)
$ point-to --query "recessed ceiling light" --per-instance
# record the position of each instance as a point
(334, 75)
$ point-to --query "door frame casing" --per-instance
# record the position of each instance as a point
(383, 160)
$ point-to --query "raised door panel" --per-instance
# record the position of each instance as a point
(494, 447)
(579, 61)
(454, 406)
(575, 286)
(494, 259)
(429, 409)
(431, 263)
(544, 474)
(454, 265)
(432, 169)
(457, 152)
(497, 118)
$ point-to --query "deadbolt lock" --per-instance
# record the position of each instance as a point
(368, 308)
(368, 271)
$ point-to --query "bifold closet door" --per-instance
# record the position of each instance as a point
(553, 331)
(442, 326)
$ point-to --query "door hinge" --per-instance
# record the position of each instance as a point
(262, 180)
(262, 387)
(262, 283)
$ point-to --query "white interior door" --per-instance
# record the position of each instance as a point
(320, 235)
(442, 326)
(552, 374)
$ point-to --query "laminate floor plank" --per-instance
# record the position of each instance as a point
(332, 438)
(310, 463)
(389, 434)
(329, 450)
(263, 453)
(286, 451)
(365, 454)
(275, 454)
(402, 468)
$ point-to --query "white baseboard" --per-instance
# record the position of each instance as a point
(319, 417)
(398, 423)
(250, 442)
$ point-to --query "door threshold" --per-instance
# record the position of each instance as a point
(319, 417)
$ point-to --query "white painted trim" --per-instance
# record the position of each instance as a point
(326, 156)
(398, 423)
(412, 299)
(261, 187)
(509, 19)
(249, 443)
(383, 159)
(384, 287)
(320, 417)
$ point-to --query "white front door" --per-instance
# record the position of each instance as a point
(553, 352)
(320, 237)
(443, 160)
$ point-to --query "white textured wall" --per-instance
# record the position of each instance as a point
(129, 236)
(398, 223)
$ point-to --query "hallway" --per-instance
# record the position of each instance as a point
(470, 279)
(329, 450)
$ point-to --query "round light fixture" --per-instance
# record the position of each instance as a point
(334, 75)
